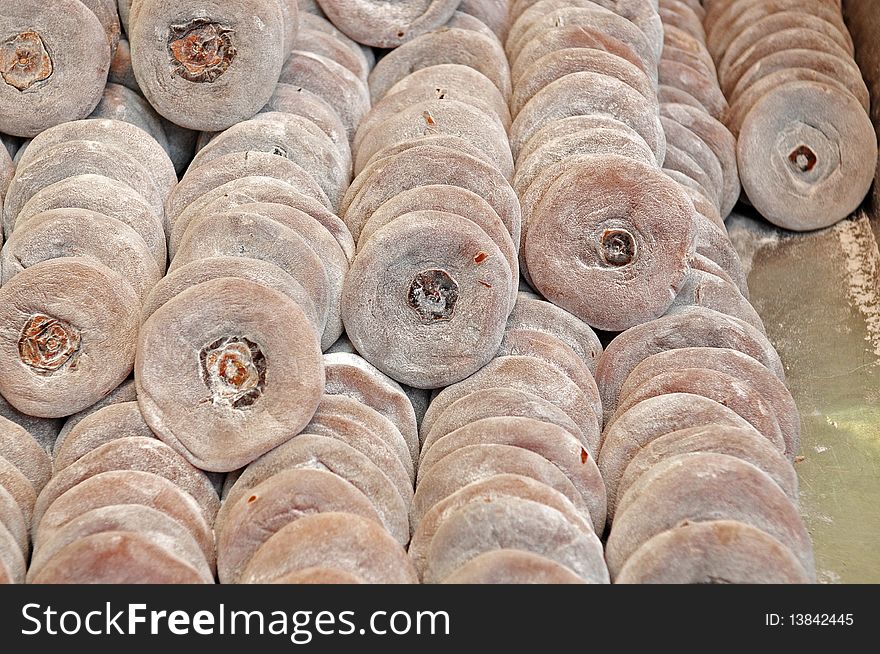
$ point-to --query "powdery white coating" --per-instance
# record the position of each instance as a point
(451, 200)
(487, 490)
(552, 350)
(326, 45)
(93, 300)
(132, 453)
(116, 133)
(256, 31)
(550, 441)
(118, 557)
(296, 100)
(291, 136)
(78, 158)
(387, 23)
(440, 115)
(336, 418)
(24, 452)
(425, 165)
(588, 93)
(343, 540)
(745, 444)
(82, 233)
(699, 487)
(68, 66)
(514, 523)
(498, 402)
(121, 104)
(705, 289)
(683, 148)
(350, 375)
(12, 561)
(532, 376)
(700, 84)
(448, 45)
(285, 497)
(713, 552)
(651, 419)
(171, 389)
(698, 328)
(43, 430)
(105, 196)
(125, 392)
(333, 82)
(435, 352)
(478, 462)
(319, 575)
(202, 270)
(21, 489)
(116, 487)
(158, 527)
(331, 455)
(13, 519)
(123, 420)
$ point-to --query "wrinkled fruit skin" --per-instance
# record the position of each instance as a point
(24, 61)
(47, 344)
(201, 51)
(234, 370)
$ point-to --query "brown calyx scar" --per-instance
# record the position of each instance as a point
(24, 60)
(803, 158)
(201, 50)
(234, 370)
(432, 295)
(618, 247)
(46, 344)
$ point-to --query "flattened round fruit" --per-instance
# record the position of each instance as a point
(698, 328)
(634, 237)
(69, 336)
(736, 364)
(54, 61)
(451, 45)
(352, 376)
(105, 196)
(430, 299)
(453, 200)
(425, 165)
(120, 420)
(230, 333)
(85, 234)
(498, 402)
(161, 529)
(651, 419)
(280, 500)
(343, 540)
(700, 487)
(807, 154)
(550, 441)
(114, 557)
(745, 444)
(440, 116)
(260, 272)
(325, 453)
(512, 567)
(25, 452)
(588, 93)
(478, 462)
(387, 23)
(207, 66)
(713, 552)
(128, 487)
(704, 289)
(514, 523)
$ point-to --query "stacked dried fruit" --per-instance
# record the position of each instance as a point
(798, 106)
(332, 504)
(84, 246)
(434, 216)
(701, 156)
(122, 506)
(206, 65)
(699, 434)
(54, 61)
(606, 234)
(509, 457)
(24, 470)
